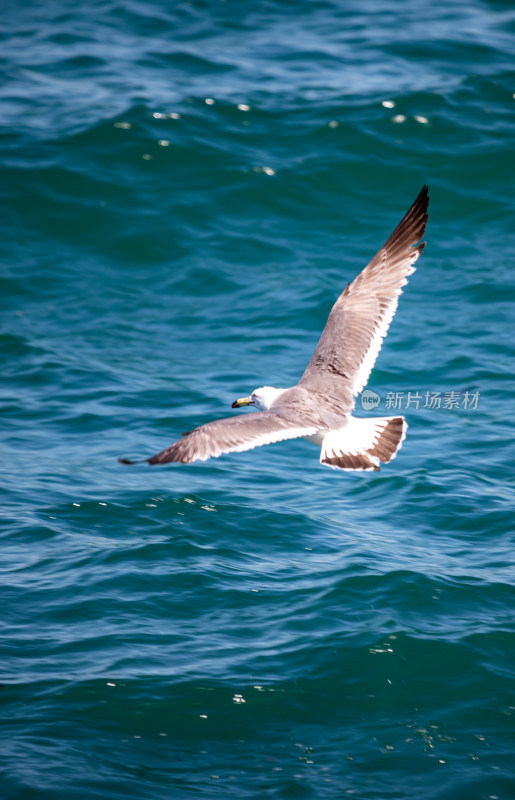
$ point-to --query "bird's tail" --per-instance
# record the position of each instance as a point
(362, 443)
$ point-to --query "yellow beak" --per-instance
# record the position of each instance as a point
(242, 401)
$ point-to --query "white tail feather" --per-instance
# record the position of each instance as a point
(363, 443)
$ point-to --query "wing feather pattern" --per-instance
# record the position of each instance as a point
(360, 318)
(231, 435)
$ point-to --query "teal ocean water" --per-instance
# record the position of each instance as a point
(186, 188)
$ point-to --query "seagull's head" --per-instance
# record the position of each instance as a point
(262, 398)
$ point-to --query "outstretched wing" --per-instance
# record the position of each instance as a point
(360, 318)
(231, 435)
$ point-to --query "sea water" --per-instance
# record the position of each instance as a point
(187, 187)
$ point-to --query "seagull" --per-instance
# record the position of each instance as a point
(319, 408)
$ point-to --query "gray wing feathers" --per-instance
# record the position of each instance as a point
(360, 318)
(233, 434)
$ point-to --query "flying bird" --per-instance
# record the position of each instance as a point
(319, 408)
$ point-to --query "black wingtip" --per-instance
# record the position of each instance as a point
(129, 461)
(424, 195)
(422, 198)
